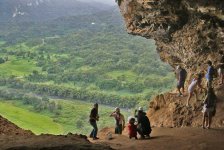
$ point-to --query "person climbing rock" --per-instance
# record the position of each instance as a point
(143, 126)
(192, 87)
(93, 118)
(182, 75)
(210, 74)
(209, 108)
(221, 67)
(120, 121)
(132, 128)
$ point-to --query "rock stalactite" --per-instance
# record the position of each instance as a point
(186, 32)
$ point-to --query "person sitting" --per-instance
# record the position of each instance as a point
(132, 128)
(120, 121)
(143, 126)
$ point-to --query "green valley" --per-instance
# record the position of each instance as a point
(45, 67)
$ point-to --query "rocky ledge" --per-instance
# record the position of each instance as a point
(186, 32)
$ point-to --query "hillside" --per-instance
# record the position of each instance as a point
(90, 56)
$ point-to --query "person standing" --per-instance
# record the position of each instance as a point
(181, 80)
(209, 108)
(221, 67)
(120, 121)
(93, 118)
(132, 128)
(210, 74)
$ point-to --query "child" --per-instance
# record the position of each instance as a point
(209, 108)
(132, 128)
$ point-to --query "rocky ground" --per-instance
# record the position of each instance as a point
(169, 110)
(47, 142)
(14, 138)
(8, 128)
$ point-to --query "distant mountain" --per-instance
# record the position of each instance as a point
(109, 2)
(42, 10)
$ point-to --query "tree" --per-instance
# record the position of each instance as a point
(2, 60)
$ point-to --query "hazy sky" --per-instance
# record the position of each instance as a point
(111, 2)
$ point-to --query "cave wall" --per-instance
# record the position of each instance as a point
(186, 32)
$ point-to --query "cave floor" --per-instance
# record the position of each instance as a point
(168, 139)
(161, 139)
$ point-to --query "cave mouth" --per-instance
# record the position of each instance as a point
(54, 62)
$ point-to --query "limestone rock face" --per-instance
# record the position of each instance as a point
(186, 32)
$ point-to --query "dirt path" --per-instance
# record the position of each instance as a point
(168, 139)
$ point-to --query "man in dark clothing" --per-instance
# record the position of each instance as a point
(92, 119)
(181, 80)
(210, 74)
(144, 127)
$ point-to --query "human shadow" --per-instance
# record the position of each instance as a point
(217, 129)
(156, 137)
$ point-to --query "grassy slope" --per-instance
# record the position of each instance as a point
(25, 119)
(17, 67)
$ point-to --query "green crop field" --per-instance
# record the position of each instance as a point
(17, 67)
(25, 119)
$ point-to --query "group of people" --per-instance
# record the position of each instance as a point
(141, 126)
(181, 75)
(209, 103)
